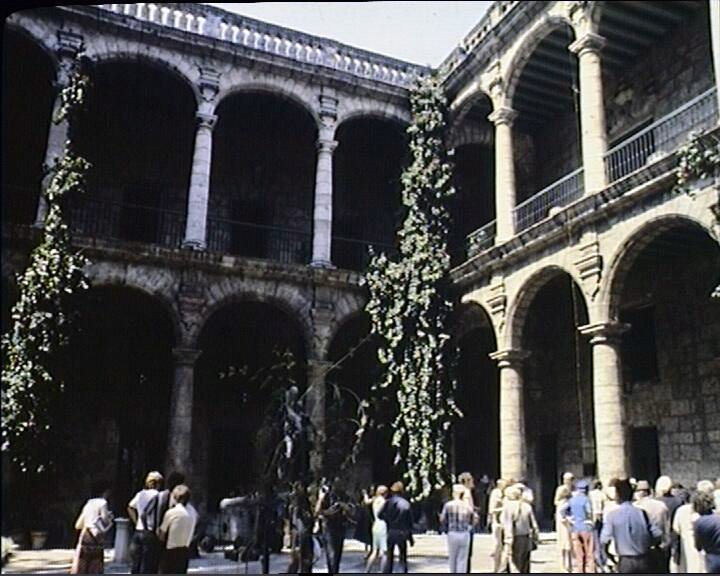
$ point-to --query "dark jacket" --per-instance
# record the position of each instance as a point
(397, 513)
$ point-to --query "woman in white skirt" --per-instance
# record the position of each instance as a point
(379, 529)
(562, 528)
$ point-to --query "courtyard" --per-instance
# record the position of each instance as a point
(429, 555)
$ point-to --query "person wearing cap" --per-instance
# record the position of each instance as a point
(458, 518)
(686, 559)
(660, 516)
(176, 531)
(631, 531)
(579, 511)
(520, 530)
(146, 556)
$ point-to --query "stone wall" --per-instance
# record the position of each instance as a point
(672, 71)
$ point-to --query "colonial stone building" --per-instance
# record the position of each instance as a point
(240, 171)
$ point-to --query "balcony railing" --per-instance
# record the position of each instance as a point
(661, 137)
(120, 221)
(482, 239)
(259, 241)
(354, 254)
(559, 193)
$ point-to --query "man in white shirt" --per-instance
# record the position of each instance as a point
(176, 531)
(147, 546)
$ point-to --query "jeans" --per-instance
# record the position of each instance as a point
(146, 554)
(333, 549)
(583, 551)
(521, 549)
(634, 565)
(458, 551)
(397, 538)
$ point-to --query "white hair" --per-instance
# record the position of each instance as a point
(663, 485)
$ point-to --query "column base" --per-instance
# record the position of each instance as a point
(323, 264)
(193, 245)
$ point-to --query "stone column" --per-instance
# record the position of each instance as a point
(513, 453)
(505, 196)
(181, 410)
(69, 44)
(315, 406)
(715, 44)
(592, 110)
(322, 212)
(199, 193)
(609, 414)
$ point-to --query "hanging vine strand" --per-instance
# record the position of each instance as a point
(409, 302)
(31, 380)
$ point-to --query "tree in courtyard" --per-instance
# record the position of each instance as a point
(32, 377)
(409, 301)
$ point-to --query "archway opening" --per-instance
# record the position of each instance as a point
(546, 132)
(240, 382)
(28, 76)
(347, 384)
(473, 205)
(367, 208)
(476, 436)
(139, 142)
(670, 352)
(558, 389)
(262, 181)
(112, 417)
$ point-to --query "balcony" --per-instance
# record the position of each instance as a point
(122, 221)
(259, 241)
(354, 254)
(539, 206)
(482, 239)
(661, 137)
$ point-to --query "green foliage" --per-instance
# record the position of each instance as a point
(699, 158)
(31, 379)
(409, 302)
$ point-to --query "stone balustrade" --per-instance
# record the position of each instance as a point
(276, 40)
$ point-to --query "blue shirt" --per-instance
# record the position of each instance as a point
(707, 533)
(579, 508)
(631, 529)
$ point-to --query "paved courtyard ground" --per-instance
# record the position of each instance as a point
(427, 556)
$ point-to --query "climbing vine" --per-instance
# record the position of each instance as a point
(699, 158)
(409, 302)
(31, 378)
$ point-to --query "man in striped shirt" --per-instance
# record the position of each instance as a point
(458, 518)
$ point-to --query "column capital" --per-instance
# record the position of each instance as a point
(588, 42)
(209, 83)
(206, 120)
(509, 357)
(604, 332)
(503, 115)
(186, 356)
(326, 145)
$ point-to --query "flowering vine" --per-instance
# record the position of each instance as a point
(409, 302)
(31, 379)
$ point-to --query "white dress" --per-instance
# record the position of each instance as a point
(691, 561)
(379, 527)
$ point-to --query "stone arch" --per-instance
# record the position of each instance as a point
(638, 238)
(301, 99)
(476, 310)
(177, 67)
(462, 107)
(105, 279)
(518, 309)
(34, 31)
(394, 116)
(530, 41)
(294, 308)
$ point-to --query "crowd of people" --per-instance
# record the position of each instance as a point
(625, 527)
